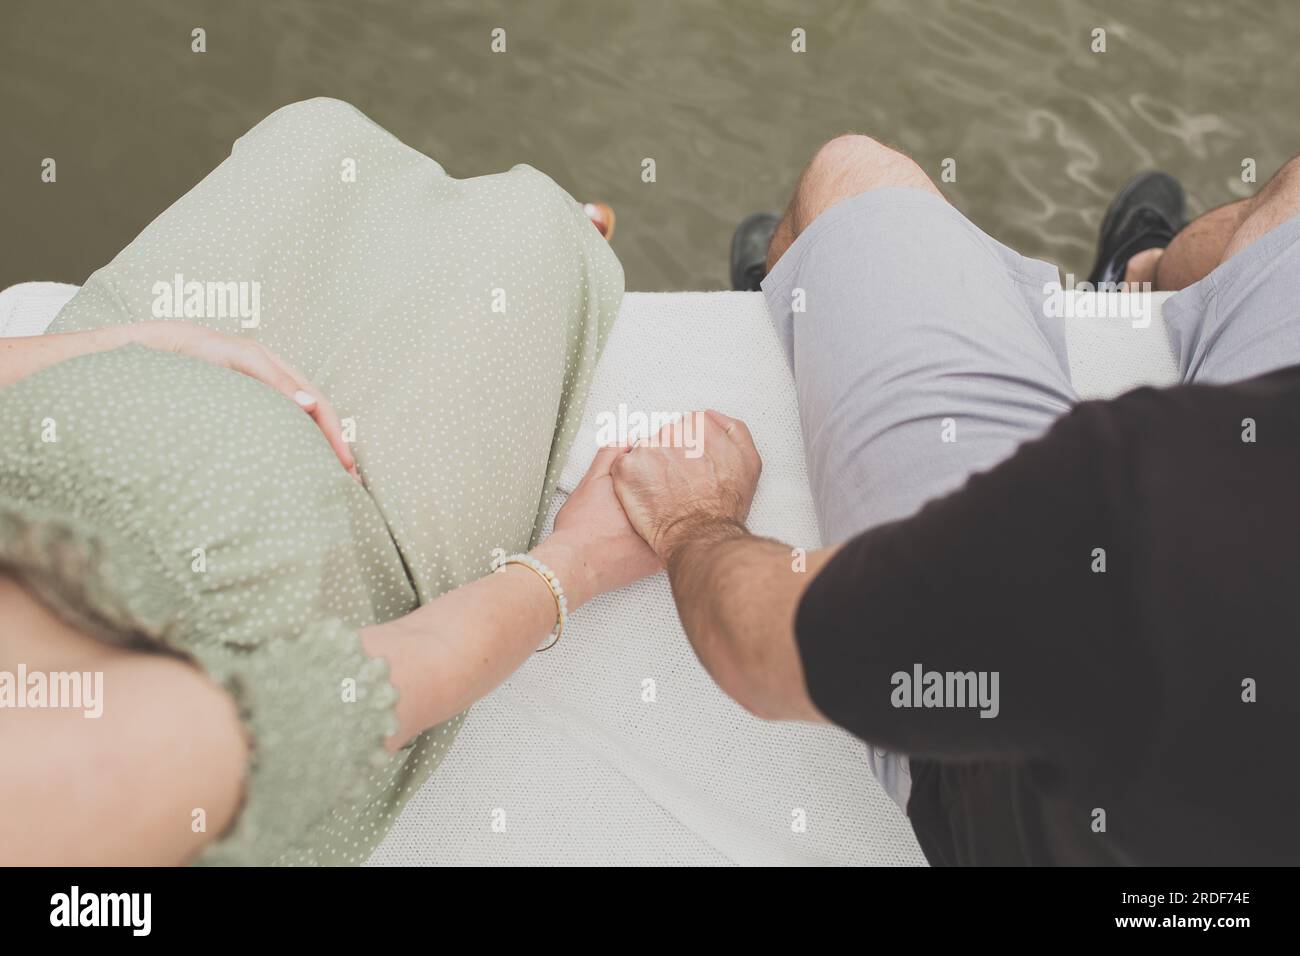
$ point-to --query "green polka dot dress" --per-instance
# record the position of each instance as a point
(161, 500)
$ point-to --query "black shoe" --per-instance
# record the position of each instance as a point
(749, 250)
(1146, 214)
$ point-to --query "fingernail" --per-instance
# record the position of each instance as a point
(305, 399)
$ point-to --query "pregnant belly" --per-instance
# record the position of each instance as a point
(230, 491)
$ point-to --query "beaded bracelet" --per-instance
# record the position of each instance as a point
(551, 581)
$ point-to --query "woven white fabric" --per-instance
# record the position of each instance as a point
(29, 307)
(615, 747)
(1111, 355)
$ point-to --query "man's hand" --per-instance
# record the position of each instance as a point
(736, 594)
(673, 489)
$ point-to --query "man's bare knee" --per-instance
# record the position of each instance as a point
(1273, 205)
(847, 166)
(841, 168)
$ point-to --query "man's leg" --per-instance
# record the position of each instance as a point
(920, 350)
(1214, 237)
(1239, 265)
(919, 345)
(1197, 249)
(844, 167)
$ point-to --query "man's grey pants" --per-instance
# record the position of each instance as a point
(922, 353)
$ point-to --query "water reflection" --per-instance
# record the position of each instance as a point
(1043, 129)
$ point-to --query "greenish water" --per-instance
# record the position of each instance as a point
(1042, 129)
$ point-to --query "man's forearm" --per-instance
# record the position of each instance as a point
(737, 595)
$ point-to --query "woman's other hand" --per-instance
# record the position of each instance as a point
(254, 360)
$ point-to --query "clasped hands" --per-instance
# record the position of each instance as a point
(637, 506)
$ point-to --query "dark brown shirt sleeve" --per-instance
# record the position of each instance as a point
(997, 622)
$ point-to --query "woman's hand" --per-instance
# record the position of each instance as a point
(456, 648)
(26, 355)
(254, 360)
(593, 542)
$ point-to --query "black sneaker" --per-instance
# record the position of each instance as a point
(1146, 214)
(749, 250)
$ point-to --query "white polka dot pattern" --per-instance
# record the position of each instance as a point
(454, 324)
